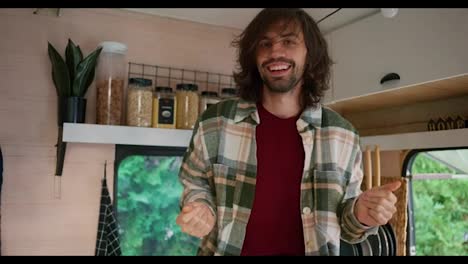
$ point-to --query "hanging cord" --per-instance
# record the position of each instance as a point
(105, 166)
(328, 15)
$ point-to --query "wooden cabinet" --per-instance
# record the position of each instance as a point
(421, 45)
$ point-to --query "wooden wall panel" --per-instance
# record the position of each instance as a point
(38, 217)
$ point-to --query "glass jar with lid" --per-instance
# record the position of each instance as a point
(110, 80)
(227, 93)
(187, 105)
(139, 102)
(207, 99)
(164, 108)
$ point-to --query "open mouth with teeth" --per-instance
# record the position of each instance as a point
(278, 69)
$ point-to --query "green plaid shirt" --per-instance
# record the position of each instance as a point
(220, 166)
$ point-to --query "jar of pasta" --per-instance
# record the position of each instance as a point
(164, 108)
(139, 102)
(187, 105)
(227, 93)
(207, 99)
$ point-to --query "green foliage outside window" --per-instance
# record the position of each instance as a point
(148, 193)
(440, 211)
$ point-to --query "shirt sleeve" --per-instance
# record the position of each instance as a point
(196, 172)
(352, 230)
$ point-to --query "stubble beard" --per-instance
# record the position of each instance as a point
(279, 84)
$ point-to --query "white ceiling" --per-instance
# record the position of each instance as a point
(238, 18)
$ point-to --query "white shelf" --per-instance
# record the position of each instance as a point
(419, 140)
(105, 134)
(126, 135)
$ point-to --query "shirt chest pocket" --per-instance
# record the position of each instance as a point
(329, 187)
(225, 183)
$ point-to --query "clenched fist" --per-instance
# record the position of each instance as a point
(196, 219)
(376, 206)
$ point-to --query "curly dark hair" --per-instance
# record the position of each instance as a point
(317, 65)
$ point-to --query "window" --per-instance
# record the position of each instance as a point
(438, 206)
(147, 192)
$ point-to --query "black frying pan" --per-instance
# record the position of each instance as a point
(374, 241)
(390, 245)
(366, 248)
(347, 249)
(358, 249)
(383, 241)
(392, 239)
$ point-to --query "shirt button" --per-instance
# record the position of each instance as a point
(306, 210)
(308, 140)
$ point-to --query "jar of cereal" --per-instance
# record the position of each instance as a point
(139, 102)
(187, 105)
(110, 79)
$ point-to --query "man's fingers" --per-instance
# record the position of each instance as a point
(393, 186)
(180, 218)
(195, 219)
(190, 226)
(205, 224)
(197, 226)
(188, 216)
(184, 218)
(374, 201)
(208, 220)
(381, 217)
(380, 194)
(187, 208)
(378, 204)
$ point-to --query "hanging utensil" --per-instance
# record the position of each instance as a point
(367, 168)
(389, 234)
(374, 174)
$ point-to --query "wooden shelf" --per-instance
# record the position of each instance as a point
(424, 92)
(419, 140)
(126, 135)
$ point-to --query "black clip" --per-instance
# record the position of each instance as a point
(390, 77)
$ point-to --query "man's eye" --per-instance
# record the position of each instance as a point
(265, 44)
(288, 42)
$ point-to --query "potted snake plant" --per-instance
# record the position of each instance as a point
(72, 77)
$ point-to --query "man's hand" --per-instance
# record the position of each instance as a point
(376, 206)
(196, 219)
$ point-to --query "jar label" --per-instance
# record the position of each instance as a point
(166, 111)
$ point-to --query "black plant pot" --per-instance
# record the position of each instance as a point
(71, 110)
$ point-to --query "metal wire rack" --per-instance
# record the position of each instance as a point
(170, 77)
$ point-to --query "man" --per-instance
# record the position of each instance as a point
(274, 172)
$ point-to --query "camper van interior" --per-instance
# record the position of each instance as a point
(399, 76)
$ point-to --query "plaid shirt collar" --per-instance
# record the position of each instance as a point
(310, 116)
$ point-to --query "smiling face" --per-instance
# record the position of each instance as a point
(281, 55)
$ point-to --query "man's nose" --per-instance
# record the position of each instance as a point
(277, 49)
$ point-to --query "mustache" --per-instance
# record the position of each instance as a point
(281, 59)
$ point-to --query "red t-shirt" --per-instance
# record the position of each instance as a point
(275, 224)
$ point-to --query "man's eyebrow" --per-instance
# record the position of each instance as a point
(291, 34)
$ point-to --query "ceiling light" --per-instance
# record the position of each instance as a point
(389, 12)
